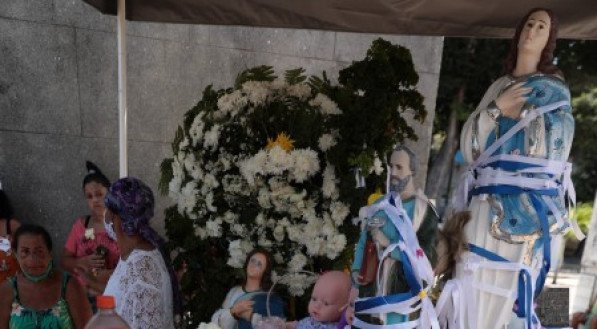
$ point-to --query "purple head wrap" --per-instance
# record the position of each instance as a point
(133, 202)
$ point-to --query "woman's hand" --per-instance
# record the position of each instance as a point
(90, 262)
(242, 309)
(511, 100)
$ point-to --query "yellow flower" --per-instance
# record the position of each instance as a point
(283, 141)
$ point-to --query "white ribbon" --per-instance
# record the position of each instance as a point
(452, 314)
(461, 291)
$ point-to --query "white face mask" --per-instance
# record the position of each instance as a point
(109, 228)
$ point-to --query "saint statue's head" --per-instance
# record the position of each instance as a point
(403, 164)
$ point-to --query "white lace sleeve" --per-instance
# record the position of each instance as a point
(144, 304)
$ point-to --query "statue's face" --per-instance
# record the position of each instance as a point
(256, 266)
(400, 171)
(535, 33)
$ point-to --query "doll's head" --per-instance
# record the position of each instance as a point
(330, 296)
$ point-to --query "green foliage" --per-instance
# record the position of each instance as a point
(584, 147)
(576, 58)
(582, 213)
(295, 76)
(369, 93)
(468, 68)
(259, 73)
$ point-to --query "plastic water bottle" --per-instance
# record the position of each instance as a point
(106, 317)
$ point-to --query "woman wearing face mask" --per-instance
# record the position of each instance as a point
(245, 304)
(516, 145)
(40, 296)
(89, 253)
(143, 283)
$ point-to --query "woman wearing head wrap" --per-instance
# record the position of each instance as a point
(143, 284)
(89, 253)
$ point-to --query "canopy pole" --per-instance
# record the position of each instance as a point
(122, 91)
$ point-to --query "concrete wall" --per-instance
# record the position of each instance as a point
(58, 93)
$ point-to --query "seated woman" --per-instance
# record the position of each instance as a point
(143, 283)
(40, 296)
(89, 253)
(8, 225)
(246, 304)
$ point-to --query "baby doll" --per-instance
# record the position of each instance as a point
(329, 299)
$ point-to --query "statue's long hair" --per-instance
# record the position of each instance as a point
(454, 242)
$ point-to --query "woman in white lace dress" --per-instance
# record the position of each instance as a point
(143, 283)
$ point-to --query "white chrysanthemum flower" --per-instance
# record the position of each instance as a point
(328, 106)
(200, 232)
(212, 136)
(188, 198)
(297, 283)
(278, 84)
(339, 212)
(184, 143)
(265, 243)
(328, 228)
(315, 246)
(196, 129)
(230, 104)
(377, 166)
(238, 229)
(278, 258)
(191, 165)
(297, 262)
(214, 228)
(237, 254)
(300, 90)
(306, 164)
(335, 246)
(174, 188)
(230, 217)
(284, 222)
(264, 198)
(278, 233)
(326, 142)
(226, 163)
(260, 219)
(257, 91)
(209, 202)
(210, 181)
(278, 160)
(253, 165)
(328, 187)
(294, 233)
